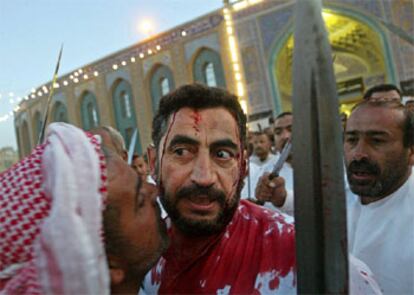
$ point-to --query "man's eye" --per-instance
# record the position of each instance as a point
(181, 151)
(378, 141)
(351, 140)
(222, 154)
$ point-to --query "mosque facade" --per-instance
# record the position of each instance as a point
(246, 47)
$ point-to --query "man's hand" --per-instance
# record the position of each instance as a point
(273, 191)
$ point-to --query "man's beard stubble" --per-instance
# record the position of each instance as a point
(200, 228)
(385, 181)
(138, 263)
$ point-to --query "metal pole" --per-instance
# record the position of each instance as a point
(320, 216)
(49, 99)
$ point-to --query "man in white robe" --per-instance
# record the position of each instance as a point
(260, 162)
(379, 154)
(283, 201)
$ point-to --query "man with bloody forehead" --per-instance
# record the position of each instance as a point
(219, 244)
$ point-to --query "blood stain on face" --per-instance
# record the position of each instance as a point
(197, 119)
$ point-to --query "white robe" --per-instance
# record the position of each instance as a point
(256, 169)
(382, 235)
(288, 206)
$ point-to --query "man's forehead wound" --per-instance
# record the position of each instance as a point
(196, 116)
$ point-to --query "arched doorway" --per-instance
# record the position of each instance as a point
(161, 83)
(89, 111)
(125, 116)
(37, 124)
(361, 57)
(208, 69)
(60, 113)
(26, 146)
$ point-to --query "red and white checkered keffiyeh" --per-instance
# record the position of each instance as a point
(51, 218)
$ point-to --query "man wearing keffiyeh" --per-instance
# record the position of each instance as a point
(62, 207)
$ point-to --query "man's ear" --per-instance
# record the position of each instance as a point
(244, 164)
(411, 155)
(152, 160)
(124, 155)
(116, 271)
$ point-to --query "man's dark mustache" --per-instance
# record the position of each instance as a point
(196, 190)
(364, 166)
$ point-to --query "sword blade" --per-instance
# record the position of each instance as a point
(132, 146)
(282, 159)
(49, 98)
(320, 216)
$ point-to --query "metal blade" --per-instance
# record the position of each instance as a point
(49, 98)
(320, 216)
(282, 159)
(132, 146)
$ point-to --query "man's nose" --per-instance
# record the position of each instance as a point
(286, 135)
(203, 173)
(360, 151)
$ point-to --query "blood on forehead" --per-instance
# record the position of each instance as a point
(196, 116)
(197, 119)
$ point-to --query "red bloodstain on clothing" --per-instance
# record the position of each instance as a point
(155, 274)
(256, 243)
(274, 284)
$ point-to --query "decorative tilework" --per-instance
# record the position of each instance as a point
(162, 58)
(368, 6)
(111, 77)
(272, 24)
(86, 86)
(266, 5)
(210, 41)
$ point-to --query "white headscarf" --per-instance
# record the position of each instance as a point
(51, 218)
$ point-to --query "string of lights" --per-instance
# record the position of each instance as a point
(10, 101)
(133, 54)
(234, 52)
(74, 77)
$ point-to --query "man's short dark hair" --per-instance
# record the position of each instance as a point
(407, 125)
(381, 88)
(284, 114)
(198, 97)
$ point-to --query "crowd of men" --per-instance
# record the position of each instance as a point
(77, 219)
